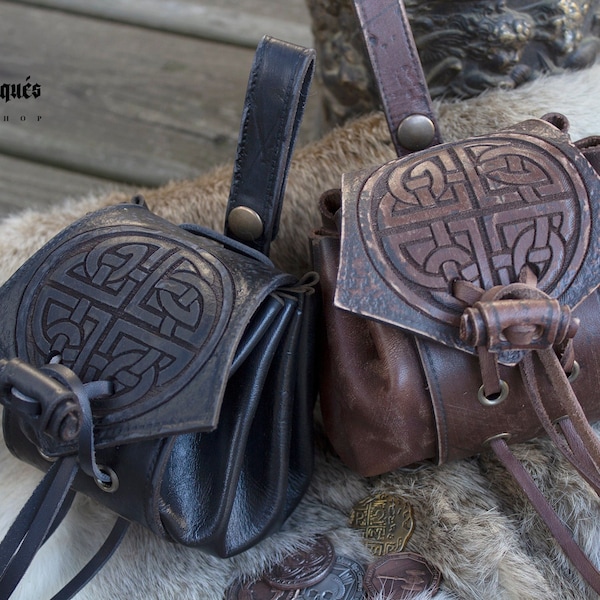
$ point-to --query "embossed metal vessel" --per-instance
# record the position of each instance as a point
(465, 47)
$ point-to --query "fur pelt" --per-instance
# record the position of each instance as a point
(471, 520)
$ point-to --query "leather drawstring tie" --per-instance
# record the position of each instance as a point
(55, 404)
(520, 317)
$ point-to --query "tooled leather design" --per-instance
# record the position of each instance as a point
(435, 222)
(478, 211)
(134, 308)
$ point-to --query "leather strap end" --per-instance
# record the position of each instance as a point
(275, 98)
(398, 74)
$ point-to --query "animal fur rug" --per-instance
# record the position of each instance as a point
(472, 522)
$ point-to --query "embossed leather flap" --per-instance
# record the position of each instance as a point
(478, 210)
(126, 296)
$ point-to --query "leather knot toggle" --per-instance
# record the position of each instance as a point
(517, 317)
(49, 407)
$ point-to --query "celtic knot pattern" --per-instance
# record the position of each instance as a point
(479, 211)
(132, 308)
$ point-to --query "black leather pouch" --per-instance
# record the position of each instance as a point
(165, 370)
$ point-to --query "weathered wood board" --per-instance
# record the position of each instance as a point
(240, 23)
(31, 185)
(118, 102)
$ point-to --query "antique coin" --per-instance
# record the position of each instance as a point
(386, 522)
(398, 576)
(344, 582)
(303, 568)
(258, 590)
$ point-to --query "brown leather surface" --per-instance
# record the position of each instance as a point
(375, 405)
(390, 400)
(464, 424)
(448, 299)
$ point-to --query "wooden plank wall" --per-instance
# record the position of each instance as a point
(132, 92)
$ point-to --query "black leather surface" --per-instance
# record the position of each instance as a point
(226, 489)
(268, 476)
(126, 296)
(272, 115)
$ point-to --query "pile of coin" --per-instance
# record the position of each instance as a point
(318, 573)
(311, 574)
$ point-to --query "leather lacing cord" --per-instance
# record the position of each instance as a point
(51, 500)
(578, 442)
(580, 446)
(559, 530)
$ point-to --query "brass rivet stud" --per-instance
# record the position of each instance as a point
(245, 224)
(415, 132)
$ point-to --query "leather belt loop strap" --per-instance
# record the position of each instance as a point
(273, 109)
(399, 75)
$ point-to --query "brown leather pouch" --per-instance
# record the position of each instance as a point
(459, 289)
(460, 306)
(422, 364)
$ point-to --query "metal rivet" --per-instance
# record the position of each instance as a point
(47, 457)
(415, 132)
(245, 224)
